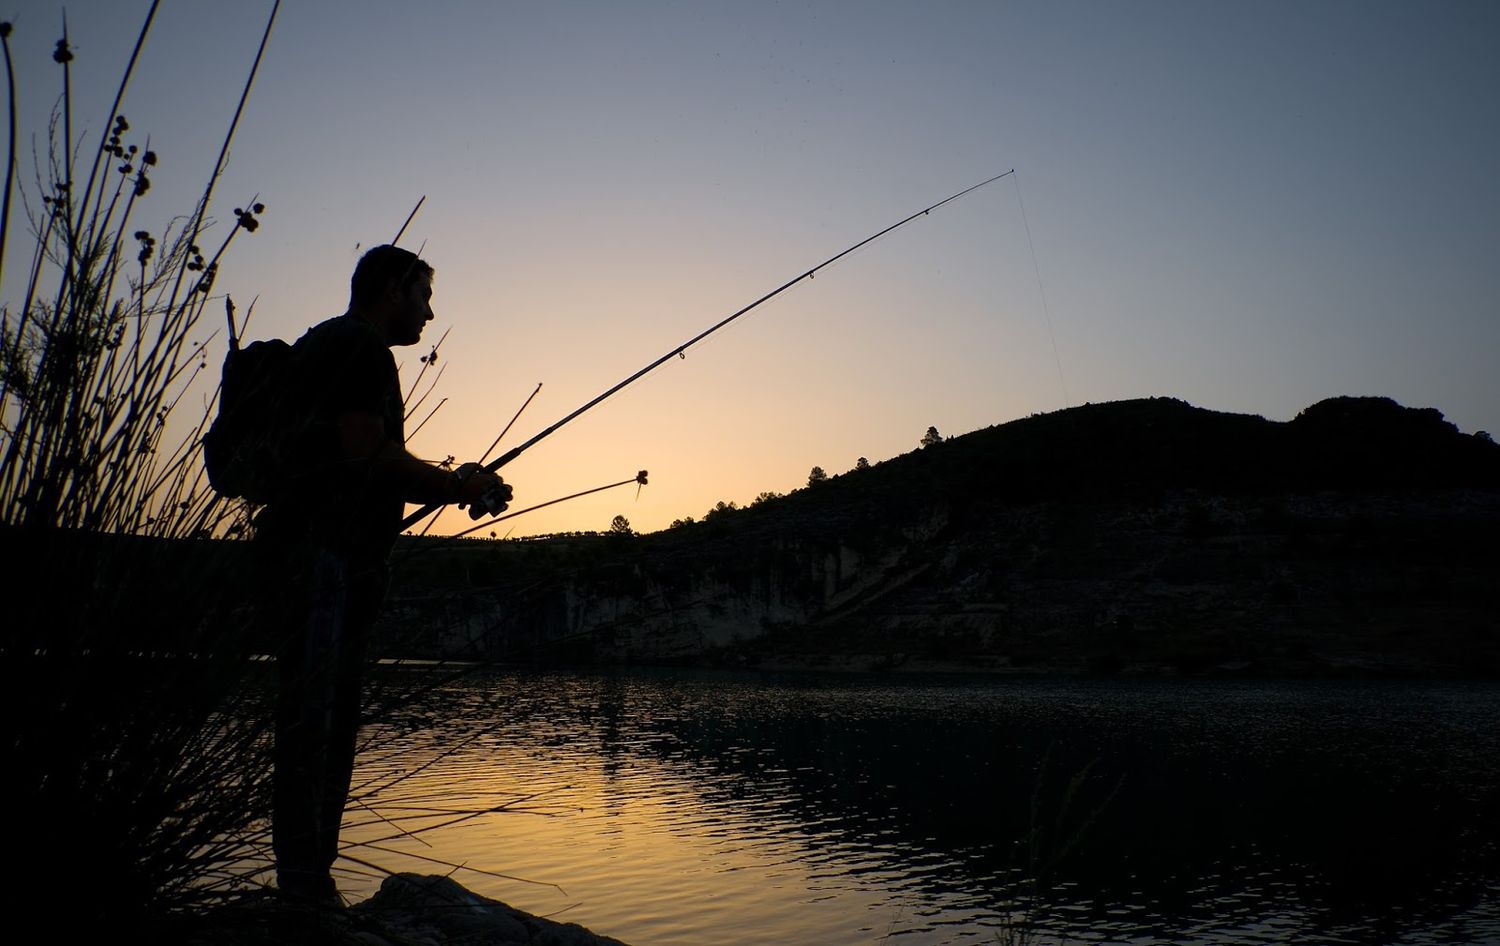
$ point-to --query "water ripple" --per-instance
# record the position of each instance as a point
(685, 808)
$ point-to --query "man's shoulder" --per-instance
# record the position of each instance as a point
(340, 331)
(346, 341)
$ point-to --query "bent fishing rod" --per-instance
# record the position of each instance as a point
(681, 350)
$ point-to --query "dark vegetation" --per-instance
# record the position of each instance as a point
(1147, 536)
(130, 748)
(134, 731)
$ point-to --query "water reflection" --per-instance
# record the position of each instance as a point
(693, 807)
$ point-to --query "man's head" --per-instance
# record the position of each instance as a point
(391, 289)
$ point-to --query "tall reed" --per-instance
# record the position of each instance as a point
(135, 763)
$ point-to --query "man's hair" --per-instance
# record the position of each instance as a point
(382, 266)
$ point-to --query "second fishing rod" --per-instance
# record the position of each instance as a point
(479, 510)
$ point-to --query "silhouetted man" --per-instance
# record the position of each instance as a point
(324, 543)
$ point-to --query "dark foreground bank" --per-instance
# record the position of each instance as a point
(408, 910)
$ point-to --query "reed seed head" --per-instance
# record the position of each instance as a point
(247, 219)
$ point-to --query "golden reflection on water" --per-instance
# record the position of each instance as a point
(691, 808)
(637, 848)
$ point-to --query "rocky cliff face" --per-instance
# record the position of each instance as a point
(635, 606)
(1141, 536)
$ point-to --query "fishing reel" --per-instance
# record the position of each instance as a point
(492, 503)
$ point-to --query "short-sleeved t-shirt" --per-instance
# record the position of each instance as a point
(343, 365)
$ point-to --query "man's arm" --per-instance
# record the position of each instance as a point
(362, 437)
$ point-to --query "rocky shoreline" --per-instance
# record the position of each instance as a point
(407, 910)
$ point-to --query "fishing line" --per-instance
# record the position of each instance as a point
(680, 350)
(1046, 311)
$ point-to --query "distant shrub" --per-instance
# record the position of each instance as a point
(719, 510)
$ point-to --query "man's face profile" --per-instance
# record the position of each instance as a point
(412, 311)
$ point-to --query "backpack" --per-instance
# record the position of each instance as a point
(246, 446)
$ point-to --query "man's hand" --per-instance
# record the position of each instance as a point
(482, 489)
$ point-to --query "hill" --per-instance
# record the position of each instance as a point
(1133, 536)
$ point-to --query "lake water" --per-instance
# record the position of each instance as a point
(719, 808)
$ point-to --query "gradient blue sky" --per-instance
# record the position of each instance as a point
(1251, 206)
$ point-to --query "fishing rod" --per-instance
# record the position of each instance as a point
(639, 479)
(680, 350)
(479, 509)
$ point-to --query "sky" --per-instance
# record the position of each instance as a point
(1248, 206)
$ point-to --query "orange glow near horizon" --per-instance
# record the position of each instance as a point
(824, 374)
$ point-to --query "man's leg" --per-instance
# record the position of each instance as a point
(365, 591)
(308, 671)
